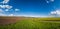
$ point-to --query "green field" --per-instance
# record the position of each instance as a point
(34, 23)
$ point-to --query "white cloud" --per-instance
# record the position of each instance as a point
(52, 0)
(56, 12)
(11, 15)
(1, 10)
(16, 9)
(53, 12)
(6, 6)
(2, 6)
(1, 14)
(5, 1)
(47, 1)
(6, 9)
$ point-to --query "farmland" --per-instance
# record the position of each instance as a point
(29, 23)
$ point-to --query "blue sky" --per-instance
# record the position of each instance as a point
(32, 7)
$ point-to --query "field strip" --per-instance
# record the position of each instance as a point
(51, 21)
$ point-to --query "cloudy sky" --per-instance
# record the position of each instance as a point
(29, 7)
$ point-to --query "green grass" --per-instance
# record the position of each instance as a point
(33, 23)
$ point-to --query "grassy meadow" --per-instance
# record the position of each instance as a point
(32, 23)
